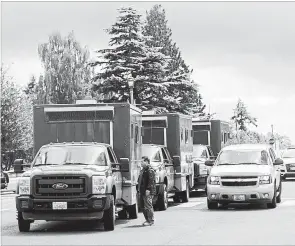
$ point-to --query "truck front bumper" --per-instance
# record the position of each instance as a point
(258, 194)
(77, 208)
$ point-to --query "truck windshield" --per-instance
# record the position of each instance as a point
(71, 155)
(199, 151)
(289, 153)
(243, 157)
(153, 153)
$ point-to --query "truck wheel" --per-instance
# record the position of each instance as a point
(123, 214)
(6, 177)
(23, 225)
(185, 194)
(162, 202)
(279, 199)
(212, 205)
(176, 198)
(273, 204)
(133, 211)
(109, 216)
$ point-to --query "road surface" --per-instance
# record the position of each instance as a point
(182, 224)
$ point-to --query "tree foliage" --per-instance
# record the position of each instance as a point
(129, 59)
(242, 117)
(66, 74)
(16, 115)
(182, 87)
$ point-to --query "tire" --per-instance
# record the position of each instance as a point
(176, 198)
(273, 204)
(109, 216)
(133, 211)
(279, 197)
(212, 205)
(185, 194)
(23, 225)
(123, 215)
(162, 202)
(6, 178)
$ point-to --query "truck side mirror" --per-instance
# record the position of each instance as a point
(124, 164)
(116, 167)
(176, 161)
(18, 166)
(278, 162)
(209, 163)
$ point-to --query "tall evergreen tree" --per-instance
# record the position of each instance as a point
(129, 58)
(182, 88)
(242, 117)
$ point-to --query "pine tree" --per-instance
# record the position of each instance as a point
(182, 88)
(242, 117)
(130, 59)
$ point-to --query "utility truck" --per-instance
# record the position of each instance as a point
(166, 135)
(86, 164)
(209, 137)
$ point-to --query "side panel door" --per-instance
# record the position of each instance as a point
(170, 169)
(117, 176)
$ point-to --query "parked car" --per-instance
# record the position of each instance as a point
(245, 174)
(288, 168)
(4, 180)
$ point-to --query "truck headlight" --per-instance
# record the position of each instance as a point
(99, 185)
(157, 177)
(265, 179)
(24, 185)
(214, 180)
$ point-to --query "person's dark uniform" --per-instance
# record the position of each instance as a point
(147, 182)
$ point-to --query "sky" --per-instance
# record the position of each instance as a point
(237, 50)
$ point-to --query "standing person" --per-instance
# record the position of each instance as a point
(147, 190)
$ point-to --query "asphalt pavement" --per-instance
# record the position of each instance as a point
(182, 224)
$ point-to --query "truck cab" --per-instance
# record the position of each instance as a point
(171, 133)
(201, 154)
(162, 163)
(208, 139)
(85, 167)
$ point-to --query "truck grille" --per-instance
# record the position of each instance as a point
(288, 167)
(251, 183)
(239, 180)
(75, 186)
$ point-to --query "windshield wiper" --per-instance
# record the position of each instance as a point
(47, 164)
(250, 163)
(74, 163)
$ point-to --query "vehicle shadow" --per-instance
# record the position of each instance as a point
(89, 227)
(237, 207)
(198, 194)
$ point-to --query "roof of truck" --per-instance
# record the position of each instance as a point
(247, 147)
(77, 144)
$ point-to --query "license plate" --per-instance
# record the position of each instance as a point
(239, 198)
(59, 205)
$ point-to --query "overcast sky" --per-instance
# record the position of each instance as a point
(237, 49)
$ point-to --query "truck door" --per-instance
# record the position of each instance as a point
(277, 169)
(170, 169)
(117, 176)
